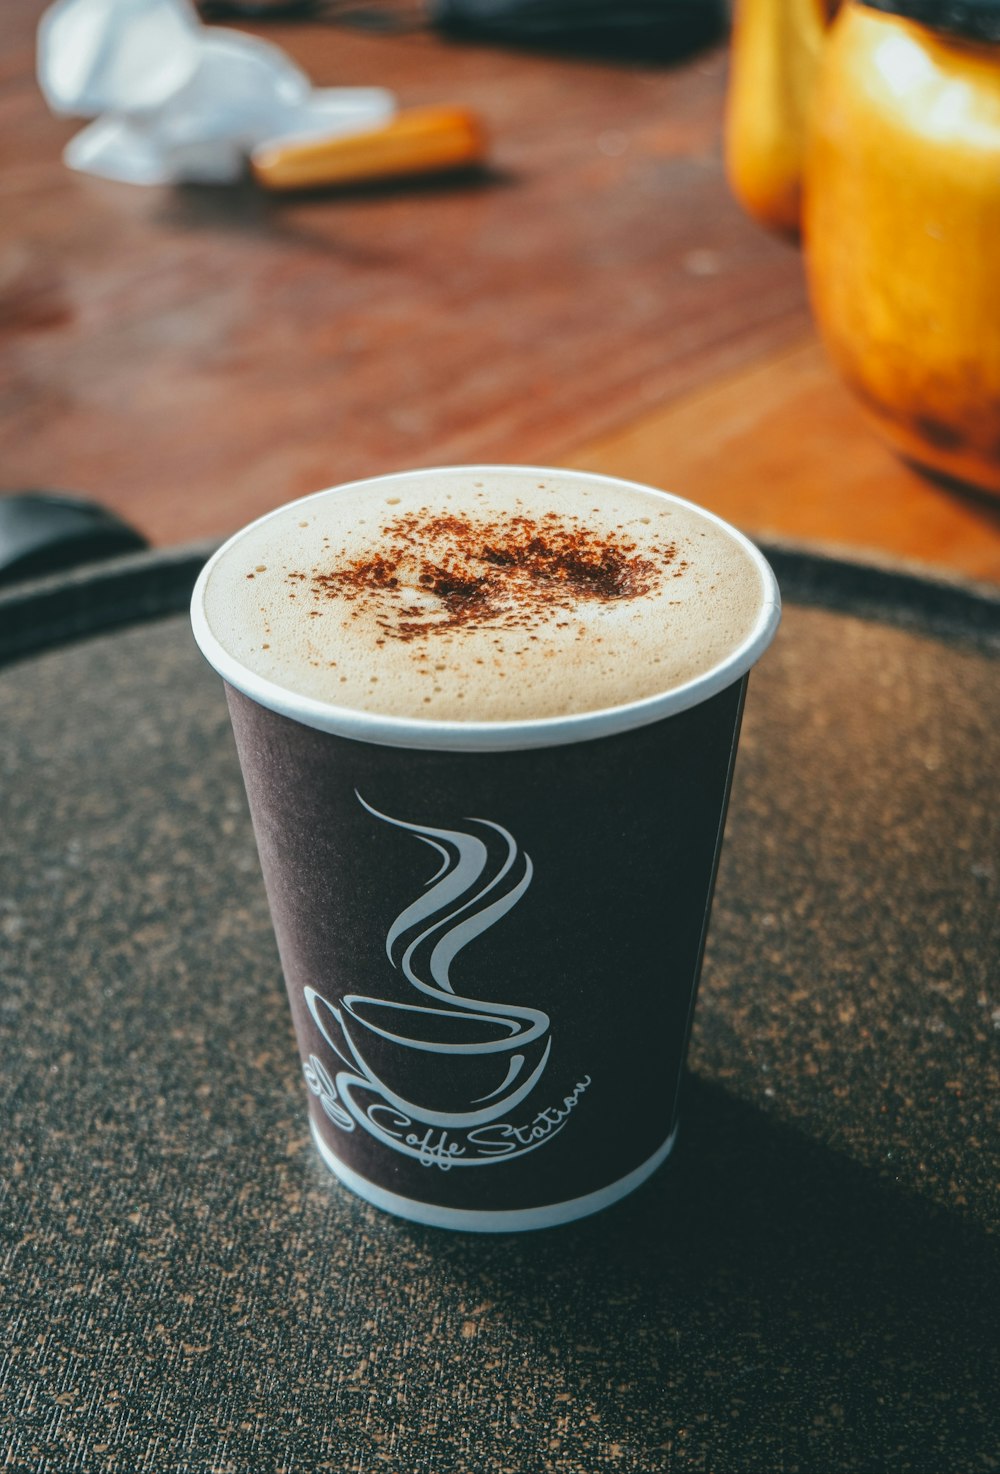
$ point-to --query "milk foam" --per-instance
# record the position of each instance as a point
(302, 600)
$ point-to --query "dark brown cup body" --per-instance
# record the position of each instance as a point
(492, 956)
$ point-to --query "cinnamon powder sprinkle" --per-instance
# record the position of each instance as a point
(492, 573)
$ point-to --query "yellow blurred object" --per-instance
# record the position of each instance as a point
(902, 231)
(898, 152)
(775, 54)
(417, 141)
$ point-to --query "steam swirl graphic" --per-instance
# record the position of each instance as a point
(455, 1061)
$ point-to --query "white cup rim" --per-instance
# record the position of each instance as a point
(452, 736)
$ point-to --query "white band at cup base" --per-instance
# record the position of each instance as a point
(504, 1220)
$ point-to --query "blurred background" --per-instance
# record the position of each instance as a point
(581, 286)
(754, 263)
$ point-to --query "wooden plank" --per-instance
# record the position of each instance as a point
(192, 357)
(781, 449)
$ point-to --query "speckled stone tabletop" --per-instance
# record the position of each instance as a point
(810, 1284)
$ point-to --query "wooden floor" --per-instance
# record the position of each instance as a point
(193, 357)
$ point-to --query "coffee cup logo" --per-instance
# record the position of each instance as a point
(440, 1075)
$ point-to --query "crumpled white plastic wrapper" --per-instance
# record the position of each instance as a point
(179, 102)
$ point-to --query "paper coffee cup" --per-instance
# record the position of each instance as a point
(491, 931)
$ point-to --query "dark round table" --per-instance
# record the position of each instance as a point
(810, 1284)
